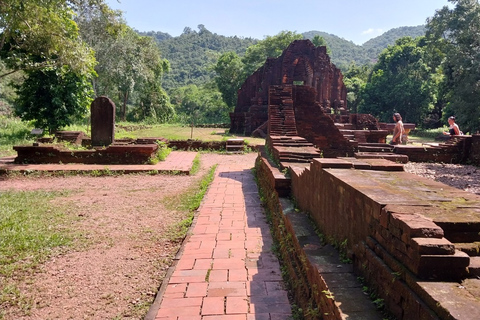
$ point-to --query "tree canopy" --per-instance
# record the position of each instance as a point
(456, 32)
(37, 34)
(400, 82)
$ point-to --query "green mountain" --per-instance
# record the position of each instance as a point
(344, 52)
(193, 53)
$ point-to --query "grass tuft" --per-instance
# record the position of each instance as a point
(28, 237)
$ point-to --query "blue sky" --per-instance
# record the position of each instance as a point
(353, 20)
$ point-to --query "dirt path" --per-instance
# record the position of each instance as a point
(123, 220)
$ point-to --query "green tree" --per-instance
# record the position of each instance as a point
(37, 34)
(400, 82)
(53, 98)
(270, 47)
(229, 69)
(129, 68)
(196, 105)
(319, 41)
(355, 80)
(456, 32)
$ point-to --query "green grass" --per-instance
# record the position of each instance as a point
(161, 154)
(13, 131)
(177, 132)
(195, 165)
(31, 231)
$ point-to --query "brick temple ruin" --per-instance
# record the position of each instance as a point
(415, 242)
(308, 111)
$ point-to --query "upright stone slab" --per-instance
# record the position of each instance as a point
(102, 112)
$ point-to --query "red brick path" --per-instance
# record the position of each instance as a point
(227, 270)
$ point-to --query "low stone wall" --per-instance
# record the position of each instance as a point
(114, 154)
(399, 231)
(304, 281)
(474, 156)
(196, 145)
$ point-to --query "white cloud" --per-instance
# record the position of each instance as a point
(372, 31)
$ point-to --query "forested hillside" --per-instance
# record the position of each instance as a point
(192, 54)
(374, 46)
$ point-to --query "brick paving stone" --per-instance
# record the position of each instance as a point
(184, 311)
(230, 242)
(259, 316)
(181, 302)
(256, 289)
(229, 263)
(221, 253)
(203, 264)
(226, 317)
(227, 289)
(236, 305)
(218, 275)
(190, 318)
(196, 290)
(237, 275)
(213, 305)
(175, 290)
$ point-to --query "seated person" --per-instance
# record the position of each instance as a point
(453, 130)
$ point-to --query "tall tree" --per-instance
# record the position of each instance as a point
(270, 47)
(355, 79)
(456, 31)
(53, 98)
(130, 67)
(400, 82)
(319, 41)
(199, 104)
(36, 34)
(229, 69)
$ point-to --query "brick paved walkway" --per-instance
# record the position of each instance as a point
(226, 269)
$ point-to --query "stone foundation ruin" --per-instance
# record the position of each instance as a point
(415, 242)
(101, 148)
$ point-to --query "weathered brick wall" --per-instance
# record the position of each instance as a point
(114, 154)
(303, 279)
(392, 246)
(317, 127)
(474, 156)
(302, 62)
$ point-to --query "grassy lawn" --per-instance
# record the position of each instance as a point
(29, 234)
(15, 132)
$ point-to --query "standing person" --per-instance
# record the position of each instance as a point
(453, 130)
(398, 131)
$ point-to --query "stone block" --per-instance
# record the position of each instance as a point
(415, 226)
(443, 267)
(432, 246)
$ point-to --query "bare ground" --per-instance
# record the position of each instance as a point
(464, 177)
(123, 220)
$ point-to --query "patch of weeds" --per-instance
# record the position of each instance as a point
(161, 154)
(195, 165)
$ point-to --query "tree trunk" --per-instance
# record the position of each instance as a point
(124, 107)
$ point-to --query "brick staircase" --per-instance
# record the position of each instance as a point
(282, 119)
(293, 149)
